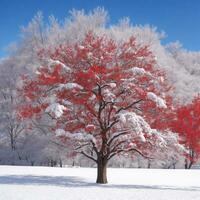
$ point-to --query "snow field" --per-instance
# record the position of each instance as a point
(44, 183)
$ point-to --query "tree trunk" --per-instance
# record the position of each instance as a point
(102, 171)
(188, 164)
(60, 162)
(12, 142)
(149, 164)
(192, 154)
(174, 165)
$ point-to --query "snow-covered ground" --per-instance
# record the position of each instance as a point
(44, 183)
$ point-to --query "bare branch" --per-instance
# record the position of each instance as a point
(117, 135)
(129, 106)
(81, 146)
(88, 156)
(128, 150)
(114, 149)
(94, 147)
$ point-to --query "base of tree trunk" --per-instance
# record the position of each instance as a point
(101, 181)
(102, 173)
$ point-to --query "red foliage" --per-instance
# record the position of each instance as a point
(103, 84)
(29, 111)
(187, 124)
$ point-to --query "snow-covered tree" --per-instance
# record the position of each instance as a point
(11, 129)
(170, 154)
(98, 93)
(185, 73)
(17, 142)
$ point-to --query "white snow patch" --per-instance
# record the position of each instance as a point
(89, 55)
(136, 122)
(56, 108)
(60, 132)
(81, 47)
(37, 72)
(159, 101)
(112, 85)
(69, 86)
(161, 79)
(90, 126)
(138, 71)
(57, 62)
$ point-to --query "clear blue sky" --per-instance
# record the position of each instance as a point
(180, 19)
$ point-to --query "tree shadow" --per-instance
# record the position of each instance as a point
(72, 181)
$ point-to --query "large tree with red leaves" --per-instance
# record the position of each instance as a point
(187, 124)
(100, 94)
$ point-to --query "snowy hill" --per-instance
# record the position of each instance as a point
(43, 183)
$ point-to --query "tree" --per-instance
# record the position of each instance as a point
(186, 72)
(19, 144)
(97, 93)
(11, 129)
(187, 124)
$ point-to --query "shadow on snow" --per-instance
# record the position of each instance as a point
(71, 181)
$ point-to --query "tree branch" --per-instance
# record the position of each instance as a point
(128, 150)
(117, 145)
(116, 136)
(88, 156)
(129, 106)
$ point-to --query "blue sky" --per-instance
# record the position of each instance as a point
(178, 18)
